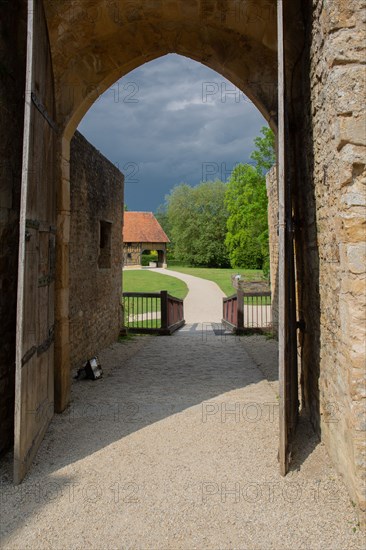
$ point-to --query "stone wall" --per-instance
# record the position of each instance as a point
(331, 236)
(95, 270)
(327, 126)
(12, 84)
(330, 226)
(272, 194)
(132, 254)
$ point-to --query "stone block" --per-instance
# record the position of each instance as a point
(342, 14)
(350, 156)
(356, 257)
(348, 84)
(352, 228)
(345, 46)
(351, 129)
(357, 385)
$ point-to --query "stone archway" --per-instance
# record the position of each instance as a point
(94, 42)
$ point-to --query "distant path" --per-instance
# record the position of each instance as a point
(203, 302)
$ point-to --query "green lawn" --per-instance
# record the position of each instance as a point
(220, 276)
(148, 281)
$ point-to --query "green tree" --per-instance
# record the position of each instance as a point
(247, 225)
(264, 155)
(247, 204)
(161, 215)
(197, 218)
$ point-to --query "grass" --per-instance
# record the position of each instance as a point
(148, 323)
(222, 277)
(148, 281)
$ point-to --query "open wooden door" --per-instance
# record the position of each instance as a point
(36, 280)
(287, 345)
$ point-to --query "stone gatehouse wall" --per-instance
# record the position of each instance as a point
(331, 240)
(95, 271)
(272, 194)
(13, 29)
(328, 129)
(330, 221)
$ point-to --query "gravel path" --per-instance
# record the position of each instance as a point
(176, 448)
(204, 299)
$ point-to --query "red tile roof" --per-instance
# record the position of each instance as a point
(142, 227)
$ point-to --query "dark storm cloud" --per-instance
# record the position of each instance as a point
(169, 121)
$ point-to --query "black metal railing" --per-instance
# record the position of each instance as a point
(152, 312)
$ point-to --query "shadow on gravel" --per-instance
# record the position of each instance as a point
(164, 377)
(143, 383)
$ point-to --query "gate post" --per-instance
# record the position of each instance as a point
(164, 309)
(240, 311)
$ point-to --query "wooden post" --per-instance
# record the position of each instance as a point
(164, 309)
(19, 469)
(240, 311)
(282, 268)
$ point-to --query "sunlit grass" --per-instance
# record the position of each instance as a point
(222, 277)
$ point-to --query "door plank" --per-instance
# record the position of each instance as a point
(34, 392)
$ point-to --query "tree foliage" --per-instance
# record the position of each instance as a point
(264, 155)
(197, 220)
(161, 215)
(246, 202)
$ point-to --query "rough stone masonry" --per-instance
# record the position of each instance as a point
(332, 211)
(330, 245)
(94, 43)
(95, 273)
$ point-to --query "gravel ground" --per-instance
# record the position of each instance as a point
(176, 448)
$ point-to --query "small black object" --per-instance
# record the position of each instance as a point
(91, 370)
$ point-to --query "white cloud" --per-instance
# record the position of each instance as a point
(184, 103)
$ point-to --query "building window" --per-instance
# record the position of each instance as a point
(105, 237)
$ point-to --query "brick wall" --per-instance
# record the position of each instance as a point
(95, 289)
(12, 73)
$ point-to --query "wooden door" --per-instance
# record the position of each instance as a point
(34, 388)
(288, 379)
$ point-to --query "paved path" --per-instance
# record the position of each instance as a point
(175, 448)
(204, 300)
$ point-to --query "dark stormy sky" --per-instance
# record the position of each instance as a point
(170, 121)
